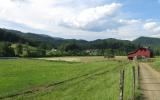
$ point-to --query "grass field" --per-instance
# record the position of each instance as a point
(28, 79)
(155, 63)
(83, 59)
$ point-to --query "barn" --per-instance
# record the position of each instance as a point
(140, 53)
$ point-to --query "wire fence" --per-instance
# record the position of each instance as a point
(129, 83)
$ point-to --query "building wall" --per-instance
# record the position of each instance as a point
(142, 52)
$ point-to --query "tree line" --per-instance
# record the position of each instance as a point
(18, 44)
(9, 49)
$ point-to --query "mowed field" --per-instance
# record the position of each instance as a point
(90, 78)
(83, 59)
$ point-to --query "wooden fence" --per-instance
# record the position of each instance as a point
(135, 82)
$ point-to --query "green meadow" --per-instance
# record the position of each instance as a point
(155, 63)
(31, 79)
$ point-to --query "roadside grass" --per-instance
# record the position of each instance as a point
(94, 80)
(155, 63)
(138, 92)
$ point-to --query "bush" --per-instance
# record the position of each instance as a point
(6, 50)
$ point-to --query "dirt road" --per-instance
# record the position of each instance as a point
(150, 83)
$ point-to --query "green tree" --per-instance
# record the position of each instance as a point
(26, 51)
(6, 50)
(18, 49)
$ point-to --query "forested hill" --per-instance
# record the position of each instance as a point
(32, 39)
(16, 43)
(38, 40)
(147, 41)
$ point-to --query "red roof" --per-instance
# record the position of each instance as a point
(145, 52)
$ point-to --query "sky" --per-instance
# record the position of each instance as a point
(83, 19)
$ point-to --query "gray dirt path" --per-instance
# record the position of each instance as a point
(150, 83)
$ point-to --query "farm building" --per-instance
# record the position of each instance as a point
(140, 53)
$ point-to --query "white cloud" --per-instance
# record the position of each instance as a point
(41, 14)
(81, 19)
(152, 26)
(92, 14)
(128, 22)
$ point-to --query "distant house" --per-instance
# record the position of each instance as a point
(140, 53)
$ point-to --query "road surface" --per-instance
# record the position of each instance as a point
(150, 82)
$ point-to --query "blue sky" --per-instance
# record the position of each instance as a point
(83, 19)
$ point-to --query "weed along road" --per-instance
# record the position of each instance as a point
(150, 82)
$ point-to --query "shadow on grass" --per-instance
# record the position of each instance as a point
(139, 95)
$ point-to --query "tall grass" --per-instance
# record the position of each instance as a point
(93, 80)
(155, 63)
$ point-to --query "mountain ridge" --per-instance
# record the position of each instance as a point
(45, 43)
(28, 36)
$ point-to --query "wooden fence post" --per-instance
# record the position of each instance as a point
(133, 71)
(121, 85)
(138, 74)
